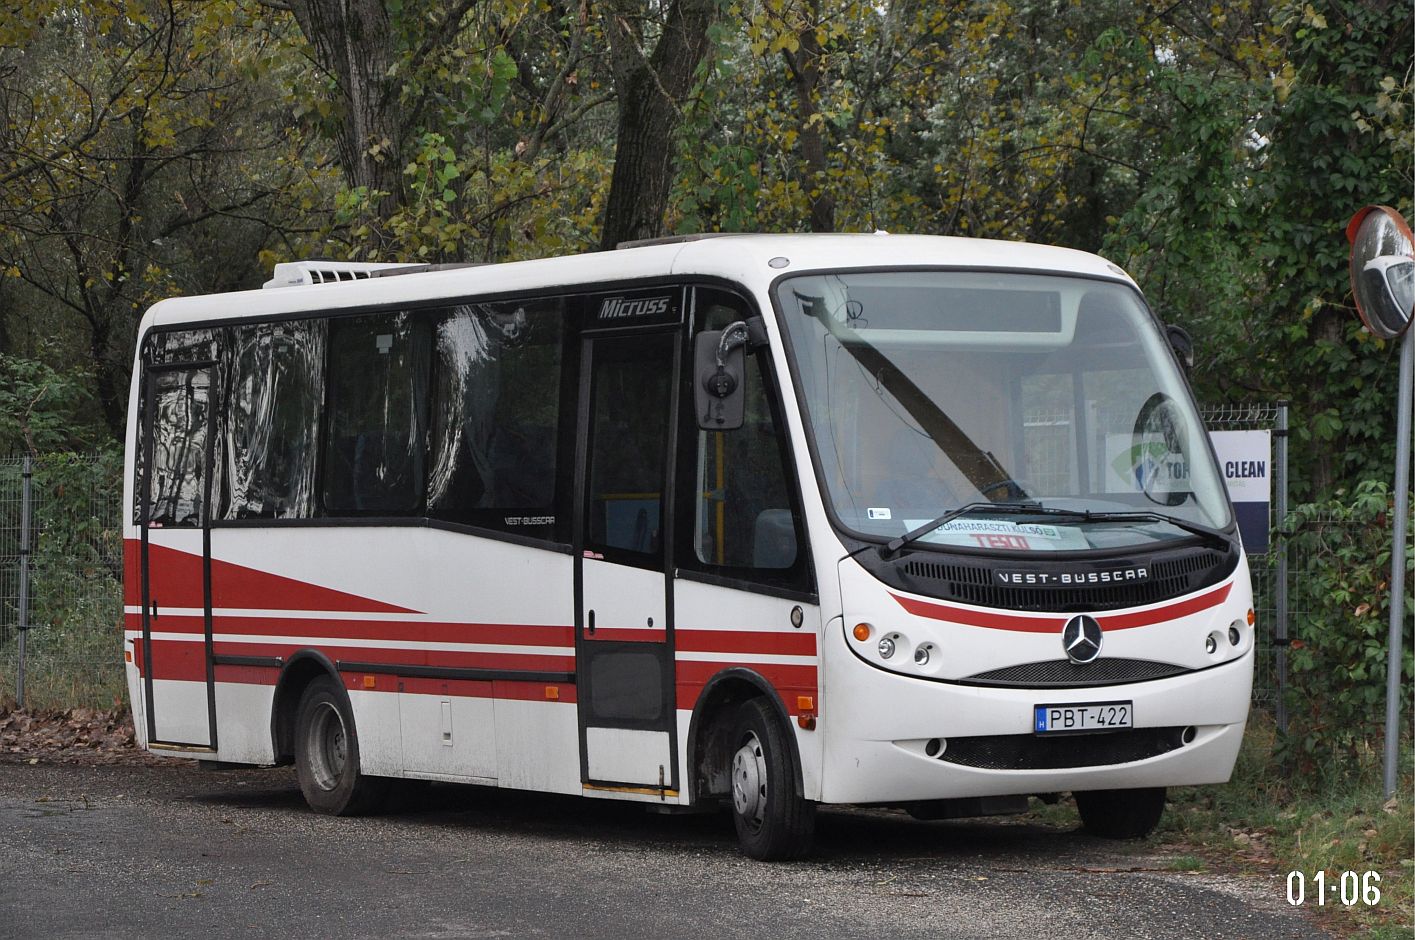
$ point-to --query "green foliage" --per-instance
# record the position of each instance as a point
(1341, 567)
(40, 407)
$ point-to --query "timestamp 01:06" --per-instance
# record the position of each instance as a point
(1349, 888)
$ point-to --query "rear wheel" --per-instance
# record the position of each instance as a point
(1121, 814)
(773, 822)
(327, 754)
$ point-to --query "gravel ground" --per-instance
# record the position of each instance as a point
(157, 851)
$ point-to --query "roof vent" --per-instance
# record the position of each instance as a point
(300, 273)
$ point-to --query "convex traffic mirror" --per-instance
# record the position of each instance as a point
(1382, 270)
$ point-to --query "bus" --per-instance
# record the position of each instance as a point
(753, 522)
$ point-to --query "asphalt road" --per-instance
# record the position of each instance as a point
(171, 851)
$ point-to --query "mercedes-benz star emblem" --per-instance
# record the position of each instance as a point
(1081, 638)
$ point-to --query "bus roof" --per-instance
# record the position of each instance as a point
(751, 260)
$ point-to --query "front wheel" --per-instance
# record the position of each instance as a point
(327, 754)
(773, 822)
(1121, 814)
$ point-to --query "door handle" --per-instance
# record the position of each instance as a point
(589, 623)
(153, 605)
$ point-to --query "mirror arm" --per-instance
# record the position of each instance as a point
(736, 334)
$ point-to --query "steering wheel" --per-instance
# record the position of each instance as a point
(1160, 426)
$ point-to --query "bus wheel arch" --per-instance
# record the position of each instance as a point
(710, 732)
(298, 672)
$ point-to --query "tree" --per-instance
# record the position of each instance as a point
(126, 149)
(651, 89)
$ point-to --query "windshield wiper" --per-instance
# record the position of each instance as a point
(893, 546)
(1150, 515)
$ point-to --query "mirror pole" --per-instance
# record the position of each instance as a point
(1397, 559)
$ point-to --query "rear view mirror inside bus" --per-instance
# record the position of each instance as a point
(718, 395)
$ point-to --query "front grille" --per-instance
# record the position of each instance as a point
(1172, 575)
(1064, 674)
(1029, 752)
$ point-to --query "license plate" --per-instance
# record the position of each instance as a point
(1090, 716)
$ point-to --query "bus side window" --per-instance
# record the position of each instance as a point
(274, 379)
(743, 509)
(172, 501)
(180, 413)
(496, 416)
(374, 452)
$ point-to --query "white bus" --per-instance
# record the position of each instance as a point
(764, 522)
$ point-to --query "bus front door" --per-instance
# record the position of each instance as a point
(624, 640)
(174, 498)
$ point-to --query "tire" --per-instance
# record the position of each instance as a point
(1121, 814)
(327, 754)
(773, 822)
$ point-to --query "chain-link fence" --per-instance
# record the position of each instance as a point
(1269, 568)
(73, 647)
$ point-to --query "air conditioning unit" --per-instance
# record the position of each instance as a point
(300, 273)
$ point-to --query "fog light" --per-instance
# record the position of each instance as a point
(921, 655)
(886, 647)
(933, 747)
(1234, 637)
(1211, 643)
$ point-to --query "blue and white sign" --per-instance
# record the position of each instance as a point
(1245, 458)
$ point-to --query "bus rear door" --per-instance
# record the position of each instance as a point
(175, 487)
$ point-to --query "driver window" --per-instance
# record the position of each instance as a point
(744, 519)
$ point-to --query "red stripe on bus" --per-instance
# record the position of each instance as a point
(626, 635)
(795, 643)
(460, 688)
(1144, 618)
(1047, 624)
(788, 681)
(175, 580)
(508, 634)
(505, 689)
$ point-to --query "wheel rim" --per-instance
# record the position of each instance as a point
(749, 781)
(326, 746)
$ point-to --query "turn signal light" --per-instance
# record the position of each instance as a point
(862, 632)
(1252, 617)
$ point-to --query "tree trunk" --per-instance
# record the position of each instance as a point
(651, 91)
(805, 65)
(353, 42)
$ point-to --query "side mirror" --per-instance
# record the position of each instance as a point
(719, 397)
(1182, 343)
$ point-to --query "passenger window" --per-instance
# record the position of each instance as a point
(744, 520)
(181, 416)
(496, 411)
(275, 394)
(374, 453)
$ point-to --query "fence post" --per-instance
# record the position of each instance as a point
(1280, 638)
(26, 472)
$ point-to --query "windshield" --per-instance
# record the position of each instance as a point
(931, 390)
